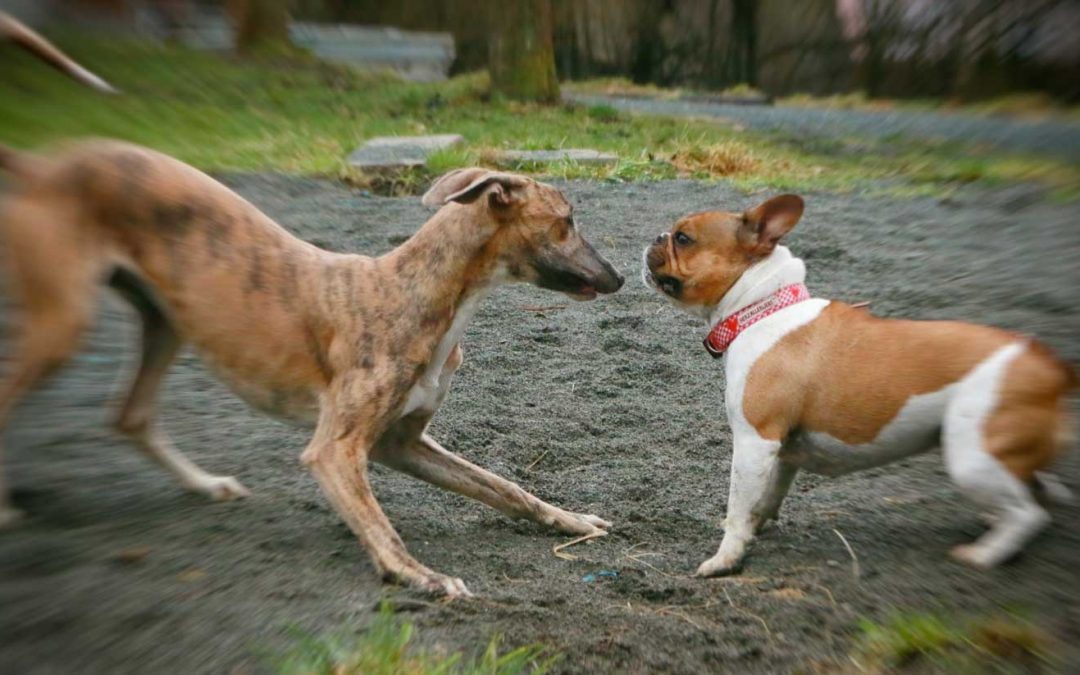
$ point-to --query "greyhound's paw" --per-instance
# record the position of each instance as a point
(442, 585)
(221, 488)
(595, 521)
(972, 555)
(718, 566)
(9, 516)
(583, 524)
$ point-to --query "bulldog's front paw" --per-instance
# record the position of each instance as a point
(718, 566)
(973, 556)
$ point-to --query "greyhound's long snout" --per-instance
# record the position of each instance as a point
(605, 278)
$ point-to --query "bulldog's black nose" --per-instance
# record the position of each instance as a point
(661, 237)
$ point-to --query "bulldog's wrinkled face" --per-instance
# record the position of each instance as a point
(698, 261)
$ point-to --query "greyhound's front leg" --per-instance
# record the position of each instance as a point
(405, 447)
(338, 458)
(417, 454)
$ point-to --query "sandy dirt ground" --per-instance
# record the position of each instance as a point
(610, 407)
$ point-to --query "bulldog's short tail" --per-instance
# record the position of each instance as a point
(13, 30)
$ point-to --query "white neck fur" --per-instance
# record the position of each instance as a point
(759, 281)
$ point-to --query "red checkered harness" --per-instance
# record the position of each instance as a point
(725, 331)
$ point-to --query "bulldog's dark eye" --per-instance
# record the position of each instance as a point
(682, 239)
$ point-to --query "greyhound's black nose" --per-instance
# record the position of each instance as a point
(661, 237)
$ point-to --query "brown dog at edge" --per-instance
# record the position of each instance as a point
(362, 349)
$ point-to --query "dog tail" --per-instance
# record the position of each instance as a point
(13, 30)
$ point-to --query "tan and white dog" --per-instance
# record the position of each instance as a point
(361, 349)
(819, 385)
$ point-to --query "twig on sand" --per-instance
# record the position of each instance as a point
(832, 600)
(860, 305)
(668, 611)
(748, 613)
(537, 460)
(851, 552)
(636, 558)
(557, 550)
(542, 308)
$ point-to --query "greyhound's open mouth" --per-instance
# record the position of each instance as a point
(573, 284)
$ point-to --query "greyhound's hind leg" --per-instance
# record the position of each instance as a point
(138, 415)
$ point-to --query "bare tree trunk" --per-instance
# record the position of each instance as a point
(743, 55)
(521, 55)
(260, 24)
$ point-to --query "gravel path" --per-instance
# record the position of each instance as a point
(1058, 139)
(610, 407)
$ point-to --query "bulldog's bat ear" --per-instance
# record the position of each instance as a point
(764, 225)
(465, 186)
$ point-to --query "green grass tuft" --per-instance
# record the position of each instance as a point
(929, 643)
(386, 648)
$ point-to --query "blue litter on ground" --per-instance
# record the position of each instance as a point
(602, 574)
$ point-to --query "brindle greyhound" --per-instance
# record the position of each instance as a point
(13, 30)
(361, 348)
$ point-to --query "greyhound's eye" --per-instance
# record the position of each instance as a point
(682, 239)
(563, 228)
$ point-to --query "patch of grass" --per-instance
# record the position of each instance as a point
(621, 86)
(928, 643)
(297, 115)
(386, 648)
(1022, 105)
(730, 158)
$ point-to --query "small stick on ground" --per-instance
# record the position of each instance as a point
(832, 600)
(557, 550)
(748, 613)
(851, 552)
(537, 460)
(860, 305)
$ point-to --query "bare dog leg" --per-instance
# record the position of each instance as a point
(338, 456)
(47, 339)
(425, 459)
(758, 481)
(160, 344)
(54, 307)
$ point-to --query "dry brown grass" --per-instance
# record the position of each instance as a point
(726, 159)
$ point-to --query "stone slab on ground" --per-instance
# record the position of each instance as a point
(509, 158)
(400, 152)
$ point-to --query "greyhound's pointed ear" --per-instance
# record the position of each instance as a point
(765, 224)
(466, 185)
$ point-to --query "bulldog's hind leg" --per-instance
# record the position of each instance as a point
(138, 414)
(997, 435)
